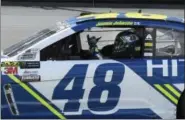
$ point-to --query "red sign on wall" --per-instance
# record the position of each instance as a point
(11, 70)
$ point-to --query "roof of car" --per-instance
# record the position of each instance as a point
(129, 15)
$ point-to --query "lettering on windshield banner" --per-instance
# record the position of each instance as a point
(117, 23)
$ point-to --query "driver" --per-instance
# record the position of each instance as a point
(127, 44)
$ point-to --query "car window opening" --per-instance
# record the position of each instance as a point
(115, 43)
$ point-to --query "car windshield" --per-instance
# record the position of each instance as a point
(35, 38)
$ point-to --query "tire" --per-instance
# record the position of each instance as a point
(181, 107)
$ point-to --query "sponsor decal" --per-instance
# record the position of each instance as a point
(10, 67)
(10, 64)
(148, 49)
(164, 66)
(30, 76)
(148, 37)
(30, 64)
(22, 64)
(148, 44)
(34, 50)
(11, 70)
(137, 48)
(147, 54)
(29, 54)
(10, 99)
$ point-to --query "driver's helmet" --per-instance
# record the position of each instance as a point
(125, 41)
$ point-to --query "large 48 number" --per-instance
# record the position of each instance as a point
(78, 73)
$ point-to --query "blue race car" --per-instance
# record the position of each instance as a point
(108, 65)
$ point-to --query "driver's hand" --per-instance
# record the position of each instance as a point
(92, 41)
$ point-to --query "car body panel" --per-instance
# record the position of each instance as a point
(122, 88)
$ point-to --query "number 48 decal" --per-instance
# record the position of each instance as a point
(78, 73)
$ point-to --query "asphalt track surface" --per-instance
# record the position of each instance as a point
(18, 23)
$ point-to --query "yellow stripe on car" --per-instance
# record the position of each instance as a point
(145, 16)
(107, 15)
(35, 95)
(100, 16)
(166, 93)
(173, 90)
(127, 15)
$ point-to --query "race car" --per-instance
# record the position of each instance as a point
(93, 66)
